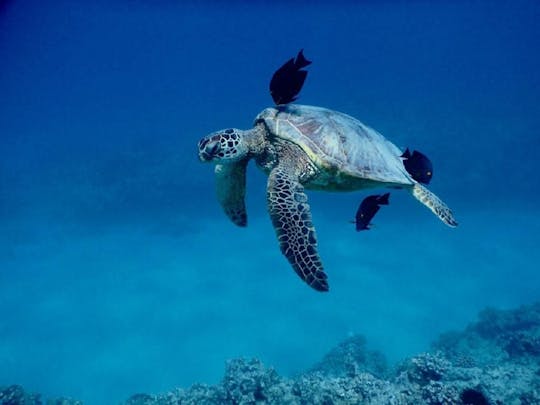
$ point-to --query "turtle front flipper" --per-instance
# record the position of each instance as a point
(435, 204)
(231, 190)
(291, 217)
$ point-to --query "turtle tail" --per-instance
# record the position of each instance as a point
(435, 204)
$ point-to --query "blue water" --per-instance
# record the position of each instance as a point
(118, 271)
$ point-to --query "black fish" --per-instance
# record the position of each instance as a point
(418, 165)
(288, 80)
(367, 210)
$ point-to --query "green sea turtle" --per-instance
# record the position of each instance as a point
(304, 147)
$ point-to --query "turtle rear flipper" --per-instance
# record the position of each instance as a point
(231, 190)
(291, 217)
(435, 204)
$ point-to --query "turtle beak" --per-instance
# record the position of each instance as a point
(208, 149)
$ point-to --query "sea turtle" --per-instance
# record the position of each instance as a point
(305, 147)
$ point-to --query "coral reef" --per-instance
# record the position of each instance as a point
(495, 360)
(351, 357)
(16, 395)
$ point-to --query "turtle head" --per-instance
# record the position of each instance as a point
(225, 146)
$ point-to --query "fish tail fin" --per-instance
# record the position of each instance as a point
(384, 199)
(406, 154)
(435, 204)
(301, 60)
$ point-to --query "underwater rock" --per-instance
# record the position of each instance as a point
(426, 368)
(249, 382)
(141, 399)
(495, 360)
(363, 388)
(16, 395)
(63, 401)
(350, 358)
(498, 337)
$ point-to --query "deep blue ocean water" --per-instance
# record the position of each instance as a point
(118, 271)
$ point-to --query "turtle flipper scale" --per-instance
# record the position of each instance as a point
(435, 204)
(291, 217)
(231, 190)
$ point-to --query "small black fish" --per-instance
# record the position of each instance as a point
(367, 210)
(288, 80)
(418, 165)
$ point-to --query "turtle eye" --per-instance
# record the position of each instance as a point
(202, 143)
(208, 149)
(212, 148)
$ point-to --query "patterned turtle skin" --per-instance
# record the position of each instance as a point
(305, 147)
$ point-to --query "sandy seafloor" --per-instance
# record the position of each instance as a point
(118, 271)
